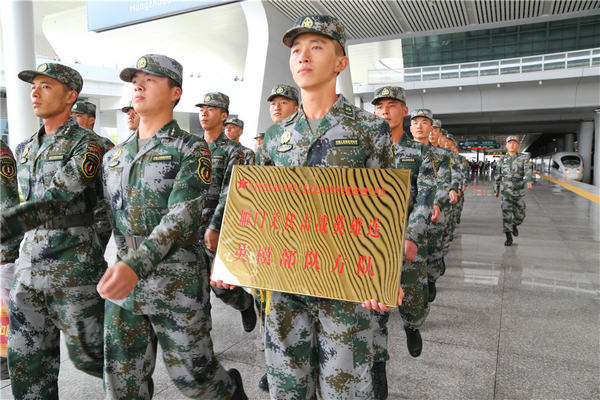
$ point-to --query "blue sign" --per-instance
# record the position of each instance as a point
(105, 15)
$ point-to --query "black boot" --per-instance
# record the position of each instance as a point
(239, 393)
(432, 290)
(413, 341)
(515, 231)
(264, 383)
(508, 241)
(443, 270)
(380, 388)
(249, 318)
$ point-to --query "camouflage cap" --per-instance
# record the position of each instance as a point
(260, 135)
(437, 123)
(450, 137)
(284, 90)
(155, 64)
(61, 73)
(127, 108)
(322, 24)
(389, 92)
(422, 112)
(84, 107)
(444, 131)
(215, 99)
(234, 121)
(516, 139)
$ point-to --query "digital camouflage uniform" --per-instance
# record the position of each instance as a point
(9, 197)
(455, 184)
(249, 156)
(510, 176)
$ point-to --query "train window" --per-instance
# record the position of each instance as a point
(570, 161)
(555, 165)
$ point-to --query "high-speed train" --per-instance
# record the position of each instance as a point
(567, 165)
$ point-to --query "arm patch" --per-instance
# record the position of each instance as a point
(90, 165)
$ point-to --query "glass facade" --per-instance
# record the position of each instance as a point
(502, 43)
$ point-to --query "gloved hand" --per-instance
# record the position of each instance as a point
(7, 272)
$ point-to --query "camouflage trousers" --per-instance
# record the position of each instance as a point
(436, 236)
(130, 342)
(316, 346)
(513, 209)
(36, 319)
(449, 227)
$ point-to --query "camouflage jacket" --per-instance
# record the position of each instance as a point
(457, 173)
(444, 175)
(157, 193)
(512, 170)
(417, 158)
(9, 197)
(58, 180)
(249, 156)
(102, 225)
(225, 154)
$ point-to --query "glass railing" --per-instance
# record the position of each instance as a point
(546, 62)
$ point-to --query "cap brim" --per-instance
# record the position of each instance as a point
(128, 73)
(126, 109)
(271, 97)
(289, 36)
(28, 75)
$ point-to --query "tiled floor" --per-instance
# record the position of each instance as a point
(518, 322)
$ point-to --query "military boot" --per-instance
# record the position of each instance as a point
(249, 318)
(380, 387)
(515, 231)
(413, 341)
(443, 270)
(432, 290)
(263, 384)
(508, 241)
(239, 393)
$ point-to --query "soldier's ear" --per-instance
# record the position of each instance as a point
(341, 63)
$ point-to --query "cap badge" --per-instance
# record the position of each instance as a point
(74, 106)
(287, 135)
(385, 92)
(279, 90)
(43, 68)
(207, 98)
(420, 112)
(142, 62)
(307, 23)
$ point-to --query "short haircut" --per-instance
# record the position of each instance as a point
(173, 84)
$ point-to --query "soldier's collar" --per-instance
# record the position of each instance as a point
(169, 129)
(342, 108)
(293, 118)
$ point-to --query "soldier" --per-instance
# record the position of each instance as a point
(234, 128)
(225, 153)
(509, 175)
(155, 184)
(133, 119)
(260, 138)
(60, 260)
(457, 184)
(317, 344)
(390, 104)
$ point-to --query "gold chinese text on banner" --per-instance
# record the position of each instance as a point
(328, 232)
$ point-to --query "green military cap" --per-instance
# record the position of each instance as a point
(322, 24)
(450, 137)
(127, 108)
(437, 123)
(444, 131)
(516, 139)
(61, 73)
(389, 92)
(155, 64)
(215, 99)
(84, 107)
(235, 121)
(284, 90)
(422, 112)
(260, 135)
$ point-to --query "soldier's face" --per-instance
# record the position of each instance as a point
(233, 132)
(259, 141)
(314, 61)
(84, 120)
(152, 94)
(49, 97)
(447, 144)
(211, 117)
(133, 120)
(512, 146)
(420, 128)
(434, 135)
(281, 107)
(392, 110)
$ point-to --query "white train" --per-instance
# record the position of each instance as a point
(566, 165)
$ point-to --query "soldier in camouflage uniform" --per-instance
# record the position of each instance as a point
(133, 119)
(509, 175)
(60, 260)
(155, 184)
(390, 104)
(317, 345)
(234, 129)
(225, 153)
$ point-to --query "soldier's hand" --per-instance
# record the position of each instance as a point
(436, 214)
(7, 272)
(211, 239)
(453, 196)
(222, 285)
(118, 282)
(529, 185)
(497, 194)
(377, 306)
(410, 250)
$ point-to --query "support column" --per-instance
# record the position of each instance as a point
(569, 139)
(584, 138)
(344, 84)
(597, 147)
(19, 54)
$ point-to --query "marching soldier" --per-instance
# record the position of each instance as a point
(60, 260)
(509, 175)
(234, 128)
(155, 184)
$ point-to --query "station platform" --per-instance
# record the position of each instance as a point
(517, 322)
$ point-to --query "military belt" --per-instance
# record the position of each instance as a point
(134, 242)
(69, 221)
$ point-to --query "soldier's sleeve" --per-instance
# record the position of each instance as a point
(456, 175)
(9, 197)
(250, 158)
(102, 221)
(236, 157)
(420, 217)
(381, 156)
(528, 171)
(80, 172)
(442, 189)
(184, 211)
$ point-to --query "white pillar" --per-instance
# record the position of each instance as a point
(569, 138)
(19, 54)
(344, 84)
(584, 139)
(597, 147)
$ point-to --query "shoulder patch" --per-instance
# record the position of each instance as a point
(348, 110)
(204, 170)
(90, 165)
(8, 168)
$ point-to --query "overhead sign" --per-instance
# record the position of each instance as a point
(327, 232)
(478, 144)
(106, 15)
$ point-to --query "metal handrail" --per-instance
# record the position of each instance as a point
(542, 62)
